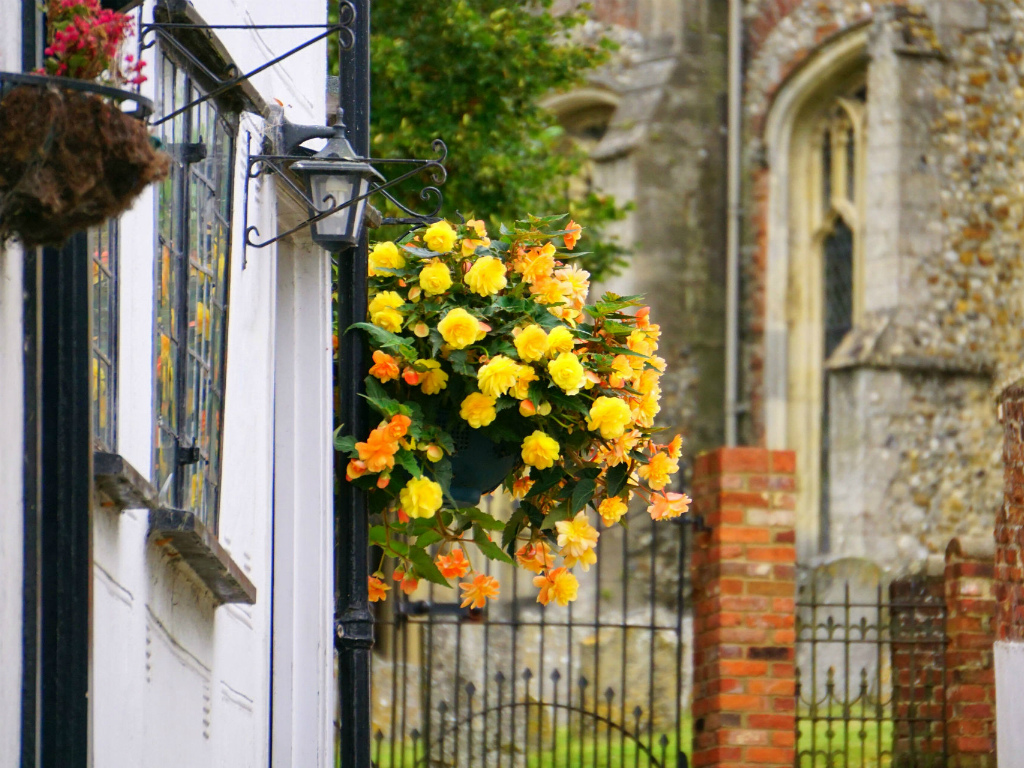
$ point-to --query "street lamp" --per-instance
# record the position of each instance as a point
(339, 180)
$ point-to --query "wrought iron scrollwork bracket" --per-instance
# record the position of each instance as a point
(266, 164)
(151, 31)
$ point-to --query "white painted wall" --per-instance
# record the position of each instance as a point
(1009, 658)
(11, 515)
(177, 680)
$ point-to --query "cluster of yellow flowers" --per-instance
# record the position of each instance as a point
(471, 333)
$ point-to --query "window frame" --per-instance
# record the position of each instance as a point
(184, 222)
(105, 442)
(793, 366)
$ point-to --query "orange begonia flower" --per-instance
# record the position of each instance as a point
(378, 589)
(398, 426)
(453, 566)
(665, 506)
(384, 366)
(378, 451)
(572, 235)
(475, 593)
(535, 557)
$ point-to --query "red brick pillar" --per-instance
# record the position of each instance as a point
(744, 589)
(1009, 571)
(970, 675)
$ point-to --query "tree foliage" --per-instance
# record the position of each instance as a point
(473, 72)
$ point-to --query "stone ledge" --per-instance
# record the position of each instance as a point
(187, 538)
(121, 483)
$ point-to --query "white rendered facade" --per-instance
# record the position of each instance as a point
(176, 679)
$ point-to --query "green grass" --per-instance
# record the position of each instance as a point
(561, 751)
(867, 744)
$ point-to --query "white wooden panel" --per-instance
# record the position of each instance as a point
(303, 567)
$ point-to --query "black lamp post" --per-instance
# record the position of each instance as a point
(338, 183)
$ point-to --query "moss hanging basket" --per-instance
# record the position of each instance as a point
(72, 154)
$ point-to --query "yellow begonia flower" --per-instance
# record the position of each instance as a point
(587, 559)
(440, 237)
(567, 372)
(384, 311)
(385, 299)
(647, 408)
(388, 319)
(537, 263)
(610, 416)
(576, 536)
(532, 343)
(469, 245)
(460, 329)
(521, 390)
(432, 380)
(612, 509)
(384, 256)
(560, 339)
(549, 291)
(658, 471)
(540, 450)
(558, 585)
(478, 410)
(421, 497)
(487, 276)
(498, 376)
(435, 278)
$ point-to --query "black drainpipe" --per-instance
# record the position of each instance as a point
(354, 622)
(57, 489)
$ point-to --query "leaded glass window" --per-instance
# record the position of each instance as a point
(103, 251)
(840, 172)
(192, 261)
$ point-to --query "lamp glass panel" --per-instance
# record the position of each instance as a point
(340, 187)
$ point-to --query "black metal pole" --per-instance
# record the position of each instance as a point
(354, 622)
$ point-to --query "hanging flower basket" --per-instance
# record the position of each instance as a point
(73, 153)
(490, 369)
(479, 465)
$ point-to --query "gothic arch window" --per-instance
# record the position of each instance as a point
(585, 116)
(815, 135)
(838, 171)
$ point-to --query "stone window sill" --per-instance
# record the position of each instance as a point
(185, 537)
(121, 485)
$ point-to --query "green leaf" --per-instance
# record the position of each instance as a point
(481, 518)
(504, 402)
(442, 471)
(408, 462)
(460, 365)
(568, 402)
(344, 443)
(616, 478)
(554, 516)
(512, 528)
(436, 341)
(490, 550)
(544, 480)
(581, 495)
(377, 535)
(425, 566)
(426, 539)
(386, 339)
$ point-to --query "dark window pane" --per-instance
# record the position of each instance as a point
(103, 250)
(192, 311)
(838, 270)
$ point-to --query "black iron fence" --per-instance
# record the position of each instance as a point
(601, 682)
(870, 676)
